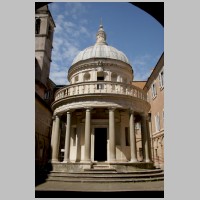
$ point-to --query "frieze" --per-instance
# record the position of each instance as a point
(77, 103)
(98, 63)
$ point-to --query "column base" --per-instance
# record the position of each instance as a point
(112, 161)
(54, 161)
(86, 161)
(147, 160)
(66, 161)
(133, 161)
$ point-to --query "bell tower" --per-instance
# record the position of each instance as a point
(44, 28)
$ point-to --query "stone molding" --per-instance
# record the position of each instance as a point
(90, 63)
(137, 106)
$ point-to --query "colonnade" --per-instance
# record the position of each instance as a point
(112, 145)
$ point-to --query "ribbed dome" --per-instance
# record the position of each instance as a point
(100, 51)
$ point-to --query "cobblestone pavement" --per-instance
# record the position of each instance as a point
(100, 190)
(95, 187)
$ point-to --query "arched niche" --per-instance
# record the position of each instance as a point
(114, 77)
(86, 76)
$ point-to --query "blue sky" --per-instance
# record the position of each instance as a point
(128, 28)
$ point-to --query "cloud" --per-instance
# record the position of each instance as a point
(69, 38)
(58, 74)
(142, 66)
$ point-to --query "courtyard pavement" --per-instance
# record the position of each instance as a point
(76, 189)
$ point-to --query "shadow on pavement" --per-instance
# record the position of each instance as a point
(128, 194)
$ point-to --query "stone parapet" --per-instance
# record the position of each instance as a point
(100, 87)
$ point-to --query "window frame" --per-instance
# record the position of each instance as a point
(161, 79)
(157, 122)
(153, 90)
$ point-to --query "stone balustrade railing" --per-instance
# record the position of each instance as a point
(100, 87)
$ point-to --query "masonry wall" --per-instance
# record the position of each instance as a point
(43, 122)
(157, 109)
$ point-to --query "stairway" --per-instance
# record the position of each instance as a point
(102, 174)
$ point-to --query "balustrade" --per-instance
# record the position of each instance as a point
(100, 87)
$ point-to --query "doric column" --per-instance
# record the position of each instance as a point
(122, 137)
(87, 134)
(112, 134)
(132, 138)
(67, 138)
(145, 147)
(55, 139)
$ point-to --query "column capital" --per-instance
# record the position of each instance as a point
(144, 115)
(112, 108)
(70, 110)
(88, 108)
(55, 116)
(131, 111)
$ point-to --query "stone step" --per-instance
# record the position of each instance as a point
(100, 170)
(112, 171)
(105, 176)
(67, 179)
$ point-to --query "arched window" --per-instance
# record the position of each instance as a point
(37, 25)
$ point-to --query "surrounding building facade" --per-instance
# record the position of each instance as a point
(102, 117)
(44, 87)
(155, 94)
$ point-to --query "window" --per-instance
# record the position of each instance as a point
(100, 76)
(153, 90)
(47, 95)
(161, 79)
(157, 122)
(37, 25)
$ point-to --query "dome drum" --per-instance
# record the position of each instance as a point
(109, 67)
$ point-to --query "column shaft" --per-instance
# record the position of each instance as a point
(67, 138)
(87, 135)
(112, 135)
(132, 138)
(55, 139)
(145, 139)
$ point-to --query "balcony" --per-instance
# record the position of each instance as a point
(100, 87)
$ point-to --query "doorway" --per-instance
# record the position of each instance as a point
(100, 144)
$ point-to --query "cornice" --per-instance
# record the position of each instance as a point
(101, 62)
(155, 72)
(123, 101)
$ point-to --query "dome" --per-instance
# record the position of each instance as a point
(101, 50)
